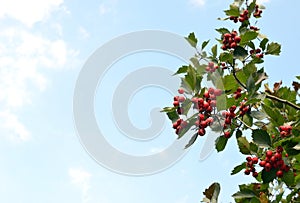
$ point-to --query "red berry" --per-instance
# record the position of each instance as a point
(237, 39)
(176, 103)
(227, 134)
(262, 163)
(268, 167)
(180, 91)
(247, 171)
(181, 98)
(254, 174)
(249, 158)
(279, 174)
(201, 132)
(269, 153)
(255, 160)
(218, 92)
(233, 45)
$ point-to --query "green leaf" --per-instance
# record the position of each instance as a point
(261, 137)
(240, 53)
(182, 69)
(222, 30)
(268, 176)
(249, 69)
(238, 133)
(273, 48)
(258, 115)
(263, 43)
(172, 115)
(248, 36)
(288, 178)
(248, 120)
(221, 142)
(221, 102)
(204, 44)
(192, 39)
(251, 85)
(226, 57)
(244, 145)
(243, 195)
(274, 114)
(214, 51)
(253, 147)
(233, 11)
(238, 168)
(230, 83)
(192, 140)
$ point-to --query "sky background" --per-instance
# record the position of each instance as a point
(43, 46)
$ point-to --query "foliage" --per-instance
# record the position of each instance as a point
(240, 99)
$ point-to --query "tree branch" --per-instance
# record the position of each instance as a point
(283, 101)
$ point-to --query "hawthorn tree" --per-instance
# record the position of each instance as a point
(240, 102)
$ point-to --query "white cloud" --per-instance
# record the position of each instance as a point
(24, 56)
(84, 34)
(28, 12)
(14, 129)
(197, 3)
(81, 179)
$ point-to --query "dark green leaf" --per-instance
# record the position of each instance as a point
(226, 57)
(273, 48)
(240, 53)
(221, 143)
(238, 133)
(288, 178)
(238, 168)
(172, 115)
(274, 114)
(248, 120)
(263, 43)
(251, 85)
(261, 137)
(268, 176)
(182, 69)
(253, 147)
(244, 145)
(192, 39)
(204, 44)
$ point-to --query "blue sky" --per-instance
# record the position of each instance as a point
(43, 46)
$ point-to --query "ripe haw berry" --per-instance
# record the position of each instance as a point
(262, 163)
(181, 91)
(269, 153)
(176, 103)
(227, 134)
(279, 174)
(255, 160)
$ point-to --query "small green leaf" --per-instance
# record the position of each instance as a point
(261, 137)
(240, 53)
(192, 39)
(238, 133)
(274, 114)
(182, 69)
(233, 11)
(263, 43)
(238, 168)
(243, 194)
(248, 36)
(221, 142)
(251, 85)
(222, 30)
(248, 120)
(244, 145)
(214, 51)
(226, 57)
(172, 115)
(273, 48)
(204, 44)
(253, 147)
(288, 178)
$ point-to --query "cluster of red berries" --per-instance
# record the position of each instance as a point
(257, 12)
(285, 130)
(274, 160)
(211, 67)
(176, 103)
(244, 108)
(257, 52)
(179, 125)
(243, 16)
(205, 106)
(230, 40)
(237, 94)
(250, 166)
(228, 120)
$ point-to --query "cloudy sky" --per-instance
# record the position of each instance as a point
(43, 47)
